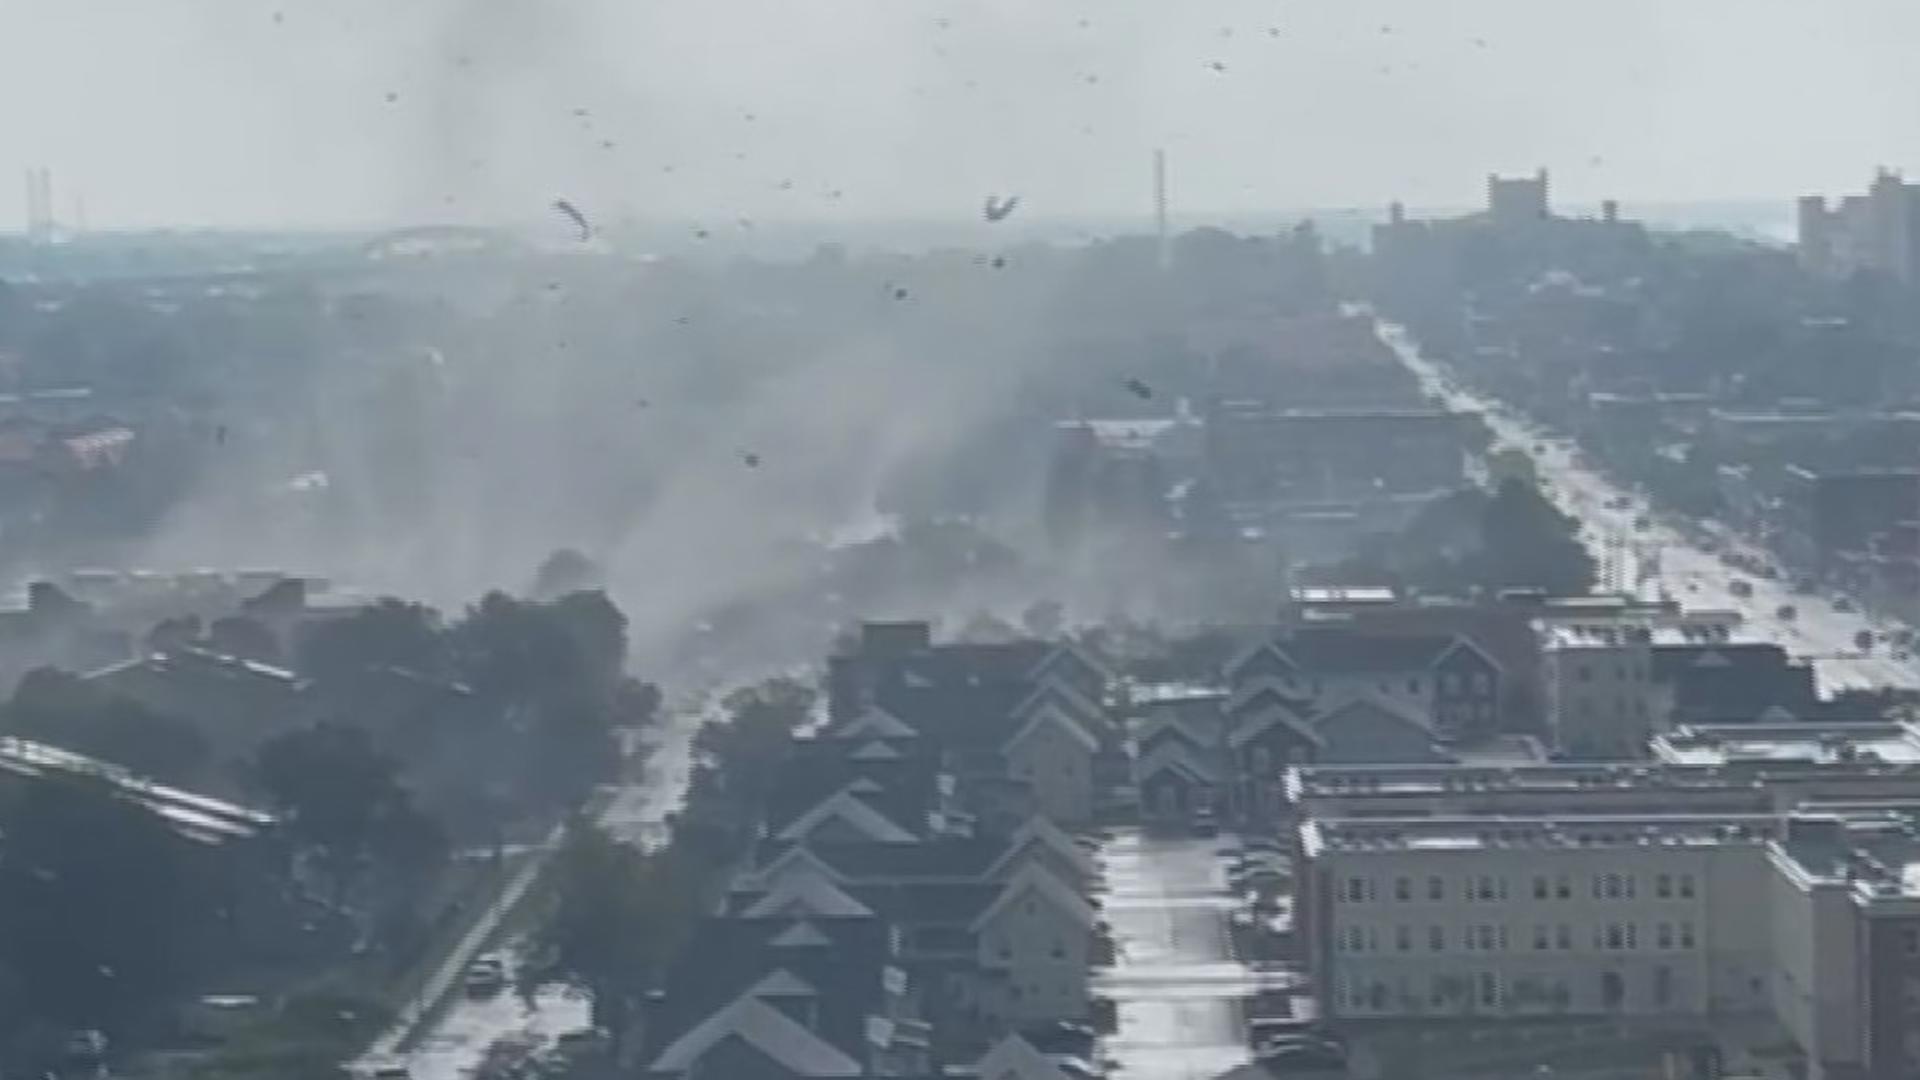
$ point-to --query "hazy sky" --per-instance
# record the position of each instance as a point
(277, 111)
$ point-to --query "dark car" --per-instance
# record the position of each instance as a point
(1062, 1037)
(1309, 1053)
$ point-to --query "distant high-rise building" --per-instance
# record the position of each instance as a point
(1878, 231)
(1518, 199)
(39, 205)
(1160, 202)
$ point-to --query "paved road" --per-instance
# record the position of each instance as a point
(1658, 560)
(637, 813)
(1176, 988)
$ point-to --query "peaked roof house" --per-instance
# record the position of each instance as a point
(1446, 677)
(1014, 1058)
(1175, 779)
(1053, 753)
(846, 815)
(753, 1039)
(1036, 945)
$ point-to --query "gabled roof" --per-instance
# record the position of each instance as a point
(1040, 830)
(1265, 720)
(1369, 703)
(874, 723)
(1335, 650)
(1067, 650)
(767, 1030)
(1038, 879)
(863, 863)
(1014, 1058)
(1051, 712)
(804, 893)
(1178, 758)
(783, 983)
(876, 751)
(798, 858)
(1079, 705)
(802, 934)
(847, 807)
(1249, 694)
(1164, 729)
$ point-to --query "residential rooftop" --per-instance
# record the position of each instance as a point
(1807, 743)
(1561, 831)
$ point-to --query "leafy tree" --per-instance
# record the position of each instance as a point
(247, 638)
(343, 799)
(98, 912)
(565, 571)
(391, 633)
(1526, 542)
(64, 710)
(617, 915)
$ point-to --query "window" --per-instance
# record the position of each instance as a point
(1616, 939)
(1686, 886)
(1632, 935)
(1563, 887)
(1356, 890)
(1686, 935)
(1563, 937)
(1489, 989)
(1613, 989)
(1403, 938)
(1663, 886)
(1629, 882)
(1663, 985)
(1059, 951)
(1485, 933)
(1585, 673)
(1413, 686)
(1540, 936)
(1486, 887)
(1663, 936)
(1911, 938)
(1596, 886)
(1436, 889)
(1403, 888)
(1482, 683)
(1539, 887)
(1436, 939)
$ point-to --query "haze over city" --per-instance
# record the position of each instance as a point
(278, 115)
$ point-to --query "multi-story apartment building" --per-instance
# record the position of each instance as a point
(1634, 914)
(1763, 872)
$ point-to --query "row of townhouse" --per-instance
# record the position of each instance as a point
(1746, 874)
(914, 901)
(1310, 694)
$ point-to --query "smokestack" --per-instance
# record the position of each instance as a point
(1160, 203)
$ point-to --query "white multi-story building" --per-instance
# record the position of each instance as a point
(1438, 917)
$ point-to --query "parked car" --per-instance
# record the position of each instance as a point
(1062, 1037)
(1302, 1057)
(487, 975)
(1205, 824)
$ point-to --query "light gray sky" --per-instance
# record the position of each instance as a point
(275, 112)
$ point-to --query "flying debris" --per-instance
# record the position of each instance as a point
(1093, 80)
(582, 113)
(220, 435)
(574, 215)
(700, 234)
(641, 403)
(1218, 66)
(392, 96)
(900, 292)
(997, 208)
(999, 262)
(1139, 389)
(751, 459)
(1273, 31)
(606, 144)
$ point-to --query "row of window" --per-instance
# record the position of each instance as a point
(1492, 937)
(1621, 673)
(1488, 990)
(1361, 890)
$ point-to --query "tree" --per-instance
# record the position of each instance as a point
(616, 916)
(98, 910)
(247, 638)
(1525, 542)
(64, 710)
(565, 571)
(390, 633)
(343, 799)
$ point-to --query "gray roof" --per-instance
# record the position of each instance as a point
(767, 1030)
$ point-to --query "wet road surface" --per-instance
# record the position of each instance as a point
(1175, 984)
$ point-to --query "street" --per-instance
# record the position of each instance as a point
(636, 812)
(1656, 560)
(1176, 987)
